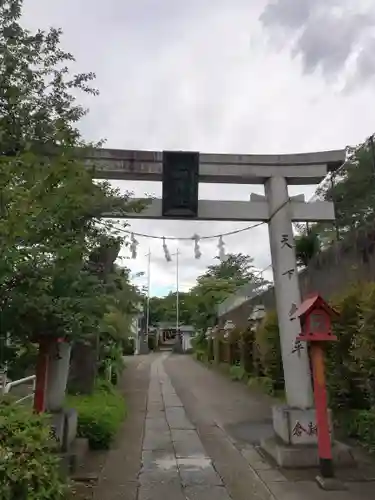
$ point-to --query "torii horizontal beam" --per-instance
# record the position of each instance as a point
(298, 169)
(222, 210)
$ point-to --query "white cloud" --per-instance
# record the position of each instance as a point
(200, 76)
(335, 36)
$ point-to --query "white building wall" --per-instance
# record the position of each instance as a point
(186, 341)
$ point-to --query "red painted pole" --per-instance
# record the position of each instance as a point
(320, 395)
(41, 376)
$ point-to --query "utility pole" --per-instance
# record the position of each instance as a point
(177, 294)
(372, 150)
(148, 291)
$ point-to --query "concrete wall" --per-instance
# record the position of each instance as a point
(329, 274)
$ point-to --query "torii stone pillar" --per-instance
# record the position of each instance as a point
(288, 297)
(294, 422)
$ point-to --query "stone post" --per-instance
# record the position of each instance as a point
(57, 375)
(64, 421)
(216, 348)
(299, 409)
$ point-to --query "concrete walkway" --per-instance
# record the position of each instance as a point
(231, 420)
(196, 439)
(174, 462)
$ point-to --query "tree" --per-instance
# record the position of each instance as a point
(352, 190)
(163, 309)
(50, 207)
(38, 110)
(307, 246)
(219, 282)
(236, 268)
(199, 306)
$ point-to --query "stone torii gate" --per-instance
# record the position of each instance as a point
(185, 170)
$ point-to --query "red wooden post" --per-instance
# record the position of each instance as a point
(315, 316)
(41, 376)
(320, 396)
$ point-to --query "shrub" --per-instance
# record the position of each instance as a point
(199, 342)
(360, 424)
(265, 384)
(247, 344)
(111, 361)
(237, 372)
(99, 415)
(224, 368)
(128, 347)
(29, 466)
(349, 360)
(269, 350)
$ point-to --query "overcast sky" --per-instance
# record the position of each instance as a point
(226, 76)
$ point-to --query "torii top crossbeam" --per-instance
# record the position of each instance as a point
(297, 169)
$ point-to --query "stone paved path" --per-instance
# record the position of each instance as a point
(175, 464)
(191, 435)
(231, 420)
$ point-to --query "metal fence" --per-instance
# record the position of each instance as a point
(6, 388)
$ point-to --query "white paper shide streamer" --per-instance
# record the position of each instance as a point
(221, 247)
(133, 246)
(167, 255)
(197, 250)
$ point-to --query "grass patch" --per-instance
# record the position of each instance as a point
(359, 425)
(238, 372)
(265, 384)
(100, 414)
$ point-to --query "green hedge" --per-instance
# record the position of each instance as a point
(360, 425)
(265, 384)
(237, 372)
(29, 464)
(267, 340)
(100, 414)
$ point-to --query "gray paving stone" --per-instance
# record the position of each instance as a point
(183, 424)
(172, 402)
(155, 397)
(175, 413)
(150, 477)
(155, 408)
(189, 448)
(198, 471)
(206, 493)
(155, 414)
(158, 424)
(156, 440)
(126, 491)
(154, 388)
(158, 460)
(184, 434)
(156, 401)
(271, 475)
(161, 492)
(165, 383)
(177, 419)
(254, 459)
(168, 391)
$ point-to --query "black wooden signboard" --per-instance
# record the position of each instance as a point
(180, 184)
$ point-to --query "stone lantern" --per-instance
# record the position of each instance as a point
(228, 328)
(257, 315)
